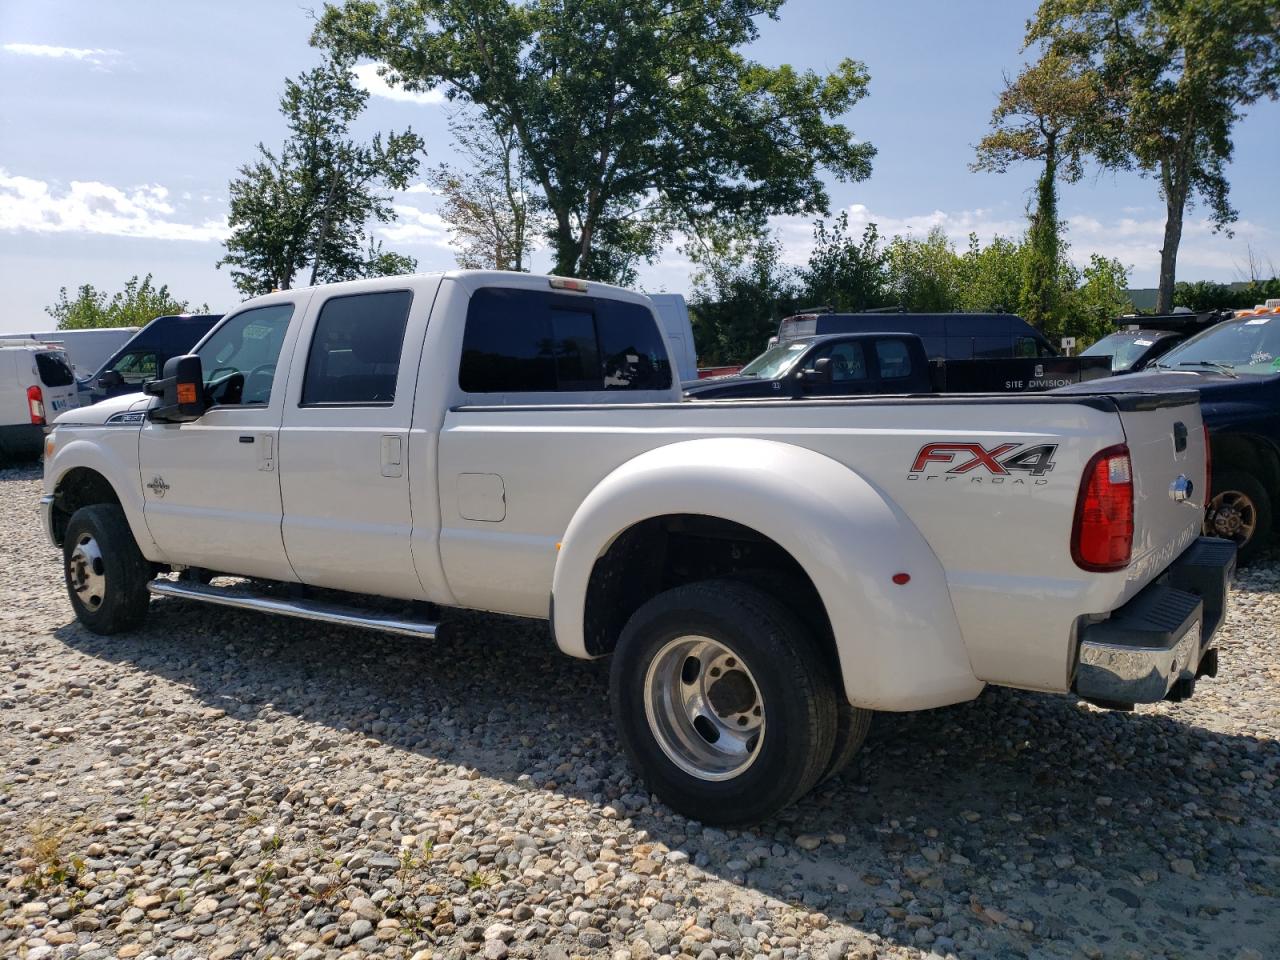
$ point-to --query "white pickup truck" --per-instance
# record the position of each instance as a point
(765, 574)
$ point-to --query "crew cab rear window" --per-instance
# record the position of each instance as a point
(894, 359)
(528, 341)
(54, 370)
(355, 350)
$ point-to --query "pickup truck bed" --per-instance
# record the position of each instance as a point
(764, 573)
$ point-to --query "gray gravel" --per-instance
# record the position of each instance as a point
(230, 785)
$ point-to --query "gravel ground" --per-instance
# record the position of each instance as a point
(232, 785)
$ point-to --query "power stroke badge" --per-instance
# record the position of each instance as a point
(1012, 463)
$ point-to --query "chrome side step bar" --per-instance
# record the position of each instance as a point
(303, 609)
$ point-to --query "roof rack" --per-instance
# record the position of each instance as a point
(32, 342)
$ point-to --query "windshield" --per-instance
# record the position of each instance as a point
(1124, 349)
(1248, 345)
(775, 361)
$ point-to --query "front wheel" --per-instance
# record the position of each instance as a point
(105, 571)
(1240, 510)
(722, 701)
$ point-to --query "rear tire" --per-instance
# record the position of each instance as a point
(106, 573)
(1240, 510)
(722, 701)
(853, 723)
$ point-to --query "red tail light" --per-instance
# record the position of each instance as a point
(1208, 467)
(35, 402)
(1102, 538)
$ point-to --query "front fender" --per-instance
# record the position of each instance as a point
(115, 457)
(900, 647)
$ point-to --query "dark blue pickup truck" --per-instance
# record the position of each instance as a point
(1235, 364)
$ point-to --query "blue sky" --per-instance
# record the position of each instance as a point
(121, 123)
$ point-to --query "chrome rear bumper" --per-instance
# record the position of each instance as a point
(1152, 648)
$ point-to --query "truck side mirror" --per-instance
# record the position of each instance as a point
(181, 391)
(820, 372)
(110, 379)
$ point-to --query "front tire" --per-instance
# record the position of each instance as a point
(722, 702)
(106, 573)
(1240, 510)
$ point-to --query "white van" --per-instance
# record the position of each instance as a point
(36, 384)
(674, 314)
(87, 349)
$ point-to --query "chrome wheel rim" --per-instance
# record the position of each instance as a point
(86, 572)
(704, 708)
(1232, 515)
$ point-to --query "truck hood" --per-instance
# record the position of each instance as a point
(1208, 382)
(730, 386)
(99, 413)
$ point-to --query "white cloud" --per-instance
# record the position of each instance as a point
(98, 57)
(28, 205)
(368, 78)
(421, 187)
(418, 226)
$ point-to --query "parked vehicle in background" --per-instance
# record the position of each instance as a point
(86, 349)
(886, 363)
(1235, 365)
(36, 385)
(763, 574)
(946, 336)
(673, 313)
(1144, 340)
(144, 355)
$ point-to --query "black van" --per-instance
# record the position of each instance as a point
(144, 354)
(946, 336)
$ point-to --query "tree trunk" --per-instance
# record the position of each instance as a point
(1175, 205)
(566, 247)
(325, 218)
(1040, 279)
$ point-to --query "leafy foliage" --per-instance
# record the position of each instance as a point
(634, 117)
(741, 289)
(314, 201)
(1178, 73)
(489, 207)
(1206, 295)
(137, 304)
(1052, 113)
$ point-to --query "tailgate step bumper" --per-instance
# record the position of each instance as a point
(1153, 646)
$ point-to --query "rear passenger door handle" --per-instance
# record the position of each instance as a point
(266, 451)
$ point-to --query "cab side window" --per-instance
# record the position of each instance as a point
(355, 350)
(848, 362)
(239, 358)
(137, 366)
(895, 361)
(527, 341)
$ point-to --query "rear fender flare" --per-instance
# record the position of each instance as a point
(899, 646)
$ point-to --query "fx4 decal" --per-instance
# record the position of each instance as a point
(1005, 460)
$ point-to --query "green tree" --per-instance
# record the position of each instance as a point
(635, 117)
(1207, 295)
(136, 305)
(741, 290)
(1181, 72)
(991, 278)
(844, 271)
(313, 203)
(923, 275)
(1100, 295)
(1051, 113)
(489, 206)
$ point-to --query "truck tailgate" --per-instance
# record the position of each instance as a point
(1166, 442)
